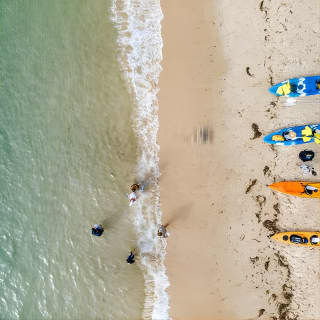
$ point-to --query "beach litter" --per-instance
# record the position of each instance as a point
(306, 155)
(307, 170)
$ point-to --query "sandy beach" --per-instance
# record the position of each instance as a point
(219, 59)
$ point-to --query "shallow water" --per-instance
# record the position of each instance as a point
(67, 155)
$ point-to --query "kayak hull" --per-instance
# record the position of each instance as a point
(300, 87)
(296, 188)
(280, 237)
(296, 130)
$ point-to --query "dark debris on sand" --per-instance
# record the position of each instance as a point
(248, 72)
(271, 225)
(251, 184)
(266, 170)
(266, 265)
(276, 208)
(256, 132)
(254, 259)
(284, 307)
(261, 312)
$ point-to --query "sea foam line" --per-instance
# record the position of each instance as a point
(140, 54)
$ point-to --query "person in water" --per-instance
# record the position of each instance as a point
(135, 187)
(133, 195)
(132, 198)
(97, 230)
(309, 190)
(130, 258)
(162, 231)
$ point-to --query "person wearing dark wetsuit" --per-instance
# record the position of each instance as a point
(97, 230)
(130, 258)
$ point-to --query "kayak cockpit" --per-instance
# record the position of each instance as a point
(314, 239)
(309, 190)
(285, 136)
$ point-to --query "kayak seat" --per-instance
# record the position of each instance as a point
(289, 135)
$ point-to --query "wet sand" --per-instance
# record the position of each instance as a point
(219, 59)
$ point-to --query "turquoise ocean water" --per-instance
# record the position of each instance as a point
(67, 156)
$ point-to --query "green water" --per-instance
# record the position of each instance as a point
(67, 155)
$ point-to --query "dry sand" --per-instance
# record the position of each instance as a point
(219, 60)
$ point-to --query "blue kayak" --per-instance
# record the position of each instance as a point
(295, 135)
(297, 87)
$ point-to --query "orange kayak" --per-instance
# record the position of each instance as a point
(300, 238)
(298, 188)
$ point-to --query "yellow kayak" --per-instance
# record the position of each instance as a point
(298, 188)
(300, 238)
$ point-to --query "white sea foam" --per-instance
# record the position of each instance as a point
(140, 54)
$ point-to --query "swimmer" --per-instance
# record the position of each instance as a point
(130, 258)
(97, 230)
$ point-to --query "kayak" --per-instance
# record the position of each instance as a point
(295, 135)
(297, 87)
(301, 238)
(298, 188)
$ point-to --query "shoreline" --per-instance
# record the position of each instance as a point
(139, 42)
(214, 109)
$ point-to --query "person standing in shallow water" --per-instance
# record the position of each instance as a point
(130, 258)
(133, 196)
(97, 230)
(162, 231)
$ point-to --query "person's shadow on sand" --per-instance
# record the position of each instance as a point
(180, 213)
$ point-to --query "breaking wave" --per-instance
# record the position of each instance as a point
(140, 54)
